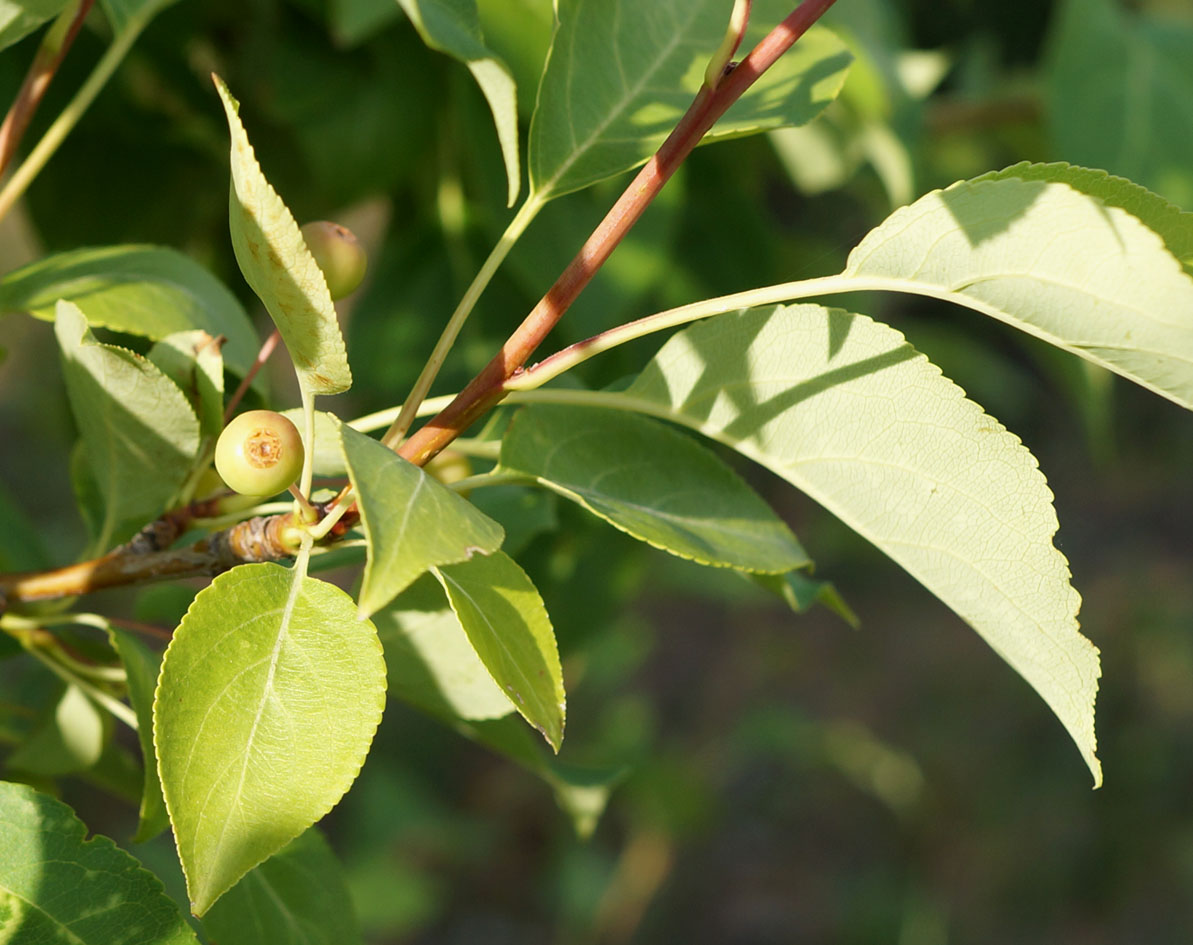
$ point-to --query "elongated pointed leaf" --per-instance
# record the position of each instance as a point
(453, 27)
(139, 433)
(56, 886)
(142, 666)
(151, 291)
(412, 521)
(621, 73)
(652, 482)
(507, 624)
(844, 409)
(276, 263)
(299, 896)
(19, 18)
(269, 695)
(1071, 268)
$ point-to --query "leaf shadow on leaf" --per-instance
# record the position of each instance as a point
(795, 94)
(981, 226)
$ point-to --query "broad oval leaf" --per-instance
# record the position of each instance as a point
(68, 739)
(152, 291)
(277, 265)
(507, 624)
(621, 73)
(269, 695)
(652, 482)
(453, 27)
(56, 886)
(299, 896)
(139, 434)
(1073, 269)
(412, 521)
(844, 409)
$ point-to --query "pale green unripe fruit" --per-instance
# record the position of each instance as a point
(259, 453)
(338, 254)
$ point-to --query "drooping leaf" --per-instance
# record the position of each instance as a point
(69, 738)
(506, 622)
(621, 73)
(142, 665)
(299, 896)
(151, 291)
(1073, 269)
(269, 695)
(55, 886)
(412, 521)
(652, 482)
(19, 18)
(139, 433)
(433, 666)
(800, 592)
(844, 409)
(192, 360)
(278, 266)
(453, 27)
(1119, 85)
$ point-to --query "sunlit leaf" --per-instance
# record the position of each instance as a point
(278, 266)
(412, 521)
(19, 18)
(844, 409)
(1074, 269)
(151, 291)
(139, 433)
(508, 627)
(55, 886)
(652, 482)
(269, 695)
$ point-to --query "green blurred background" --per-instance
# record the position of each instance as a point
(786, 778)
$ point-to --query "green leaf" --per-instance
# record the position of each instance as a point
(278, 266)
(269, 695)
(21, 547)
(139, 434)
(844, 409)
(19, 18)
(69, 739)
(432, 663)
(1073, 269)
(192, 360)
(433, 666)
(328, 458)
(1120, 93)
(57, 887)
(652, 482)
(122, 13)
(140, 290)
(453, 27)
(1172, 224)
(299, 896)
(354, 21)
(507, 624)
(142, 665)
(800, 592)
(621, 73)
(412, 522)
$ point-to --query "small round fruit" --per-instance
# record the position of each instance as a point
(338, 254)
(259, 453)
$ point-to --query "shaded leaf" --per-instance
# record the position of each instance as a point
(652, 482)
(801, 592)
(453, 27)
(844, 409)
(620, 75)
(151, 291)
(142, 665)
(19, 18)
(278, 266)
(69, 739)
(506, 622)
(269, 695)
(192, 360)
(56, 886)
(297, 897)
(412, 521)
(139, 434)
